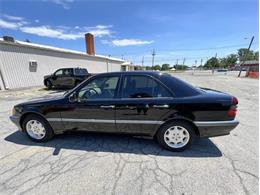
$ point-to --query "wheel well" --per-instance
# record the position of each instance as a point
(27, 114)
(195, 128)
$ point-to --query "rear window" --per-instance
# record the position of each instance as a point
(179, 87)
(80, 71)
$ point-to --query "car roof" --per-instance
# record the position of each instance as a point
(152, 73)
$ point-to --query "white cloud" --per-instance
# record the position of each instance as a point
(9, 25)
(14, 18)
(98, 30)
(64, 3)
(59, 32)
(46, 31)
(129, 42)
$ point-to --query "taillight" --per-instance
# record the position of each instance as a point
(233, 109)
(234, 100)
(232, 112)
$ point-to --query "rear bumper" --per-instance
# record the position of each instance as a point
(215, 128)
(16, 121)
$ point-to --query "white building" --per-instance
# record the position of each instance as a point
(24, 64)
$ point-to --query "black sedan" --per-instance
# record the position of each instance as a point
(139, 103)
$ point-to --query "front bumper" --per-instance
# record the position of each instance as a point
(16, 121)
(215, 128)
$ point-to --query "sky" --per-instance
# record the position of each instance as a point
(189, 31)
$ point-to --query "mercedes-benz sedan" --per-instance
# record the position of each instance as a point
(138, 103)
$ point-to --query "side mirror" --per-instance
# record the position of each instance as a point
(73, 98)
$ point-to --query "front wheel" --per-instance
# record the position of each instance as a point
(176, 136)
(37, 128)
(48, 84)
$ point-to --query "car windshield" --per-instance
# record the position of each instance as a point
(66, 92)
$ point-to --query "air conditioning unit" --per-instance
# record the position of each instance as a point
(8, 38)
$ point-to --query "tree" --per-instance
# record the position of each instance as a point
(212, 63)
(243, 55)
(148, 68)
(229, 60)
(256, 55)
(157, 67)
(165, 67)
(180, 67)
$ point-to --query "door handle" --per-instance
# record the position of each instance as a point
(108, 107)
(161, 106)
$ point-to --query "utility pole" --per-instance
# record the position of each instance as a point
(201, 60)
(213, 68)
(246, 54)
(143, 62)
(183, 63)
(177, 61)
(153, 54)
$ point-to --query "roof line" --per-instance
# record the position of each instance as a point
(57, 49)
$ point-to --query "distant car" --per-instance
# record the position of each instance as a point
(66, 77)
(222, 70)
(138, 103)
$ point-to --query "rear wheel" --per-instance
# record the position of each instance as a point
(37, 128)
(48, 84)
(176, 136)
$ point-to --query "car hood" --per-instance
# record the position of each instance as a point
(41, 101)
(47, 76)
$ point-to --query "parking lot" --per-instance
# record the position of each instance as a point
(84, 163)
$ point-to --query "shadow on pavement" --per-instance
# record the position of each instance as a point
(97, 142)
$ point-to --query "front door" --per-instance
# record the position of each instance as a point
(95, 108)
(63, 77)
(143, 104)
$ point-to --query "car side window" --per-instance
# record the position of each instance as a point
(143, 87)
(59, 72)
(99, 88)
(68, 72)
(81, 71)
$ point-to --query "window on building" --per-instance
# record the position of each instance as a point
(33, 66)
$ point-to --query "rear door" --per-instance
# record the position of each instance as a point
(144, 100)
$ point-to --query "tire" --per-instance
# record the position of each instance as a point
(48, 84)
(37, 128)
(176, 136)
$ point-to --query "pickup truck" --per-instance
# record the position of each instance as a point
(66, 77)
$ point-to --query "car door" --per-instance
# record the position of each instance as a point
(144, 101)
(57, 77)
(94, 109)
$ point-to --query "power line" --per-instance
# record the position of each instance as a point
(189, 49)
